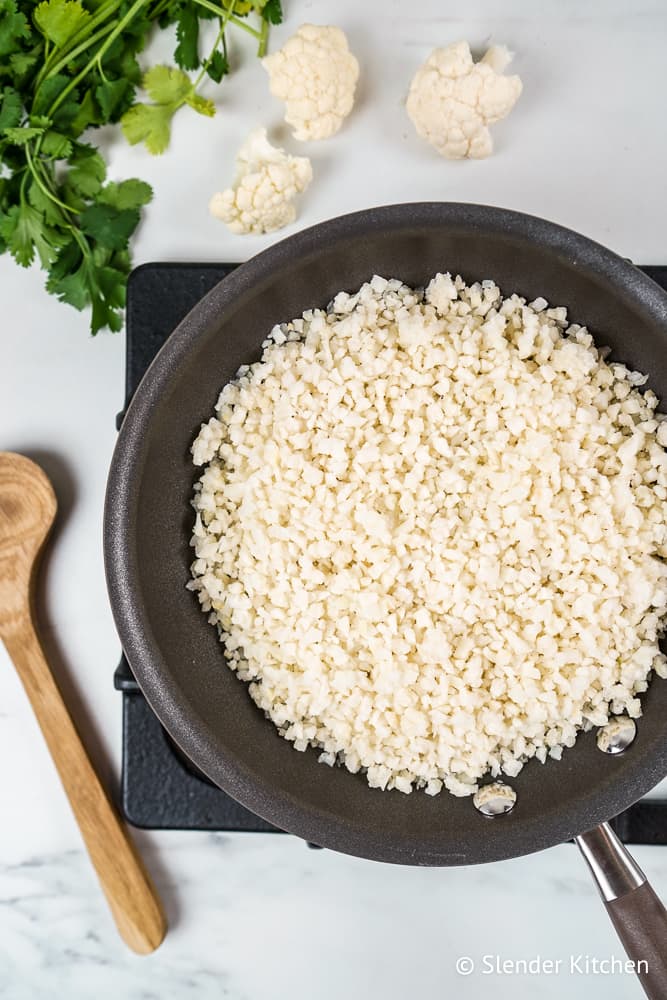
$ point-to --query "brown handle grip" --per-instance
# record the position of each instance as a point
(126, 884)
(640, 920)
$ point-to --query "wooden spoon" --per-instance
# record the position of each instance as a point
(27, 511)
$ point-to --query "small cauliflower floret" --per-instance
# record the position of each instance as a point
(453, 100)
(262, 197)
(315, 74)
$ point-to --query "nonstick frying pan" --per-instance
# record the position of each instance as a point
(176, 655)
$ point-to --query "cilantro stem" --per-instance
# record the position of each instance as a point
(232, 18)
(60, 57)
(219, 10)
(75, 53)
(263, 39)
(219, 38)
(42, 186)
(246, 27)
(118, 29)
(159, 8)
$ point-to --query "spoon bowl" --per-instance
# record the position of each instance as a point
(27, 511)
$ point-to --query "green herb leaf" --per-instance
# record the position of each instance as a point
(113, 97)
(132, 193)
(272, 12)
(87, 171)
(77, 279)
(20, 64)
(66, 260)
(103, 317)
(24, 231)
(166, 85)
(72, 288)
(47, 93)
(110, 226)
(85, 114)
(55, 146)
(60, 20)
(217, 67)
(186, 52)
(48, 209)
(201, 105)
(150, 124)
(21, 136)
(11, 108)
(13, 26)
(112, 285)
(40, 121)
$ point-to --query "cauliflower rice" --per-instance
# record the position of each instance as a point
(430, 530)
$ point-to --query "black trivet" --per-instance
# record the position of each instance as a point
(161, 788)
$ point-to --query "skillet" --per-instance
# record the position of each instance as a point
(176, 656)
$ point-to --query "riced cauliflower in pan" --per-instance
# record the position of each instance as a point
(453, 100)
(430, 528)
(316, 75)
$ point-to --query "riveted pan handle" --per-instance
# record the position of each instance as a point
(636, 912)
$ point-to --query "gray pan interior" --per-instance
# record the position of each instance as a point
(176, 655)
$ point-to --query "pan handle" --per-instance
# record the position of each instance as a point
(636, 912)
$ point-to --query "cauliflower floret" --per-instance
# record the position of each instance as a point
(262, 197)
(452, 99)
(315, 74)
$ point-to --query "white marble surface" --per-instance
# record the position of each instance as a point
(260, 917)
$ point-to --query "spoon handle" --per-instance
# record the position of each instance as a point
(126, 883)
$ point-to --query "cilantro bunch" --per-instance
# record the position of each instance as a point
(67, 66)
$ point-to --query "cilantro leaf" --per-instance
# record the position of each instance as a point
(55, 146)
(112, 285)
(20, 64)
(121, 60)
(166, 85)
(132, 193)
(201, 104)
(272, 12)
(69, 278)
(73, 287)
(242, 7)
(186, 52)
(150, 124)
(40, 121)
(87, 171)
(218, 66)
(61, 20)
(103, 315)
(47, 92)
(113, 97)
(21, 136)
(11, 108)
(66, 260)
(112, 227)
(50, 212)
(13, 26)
(76, 279)
(85, 114)
(24, 231)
